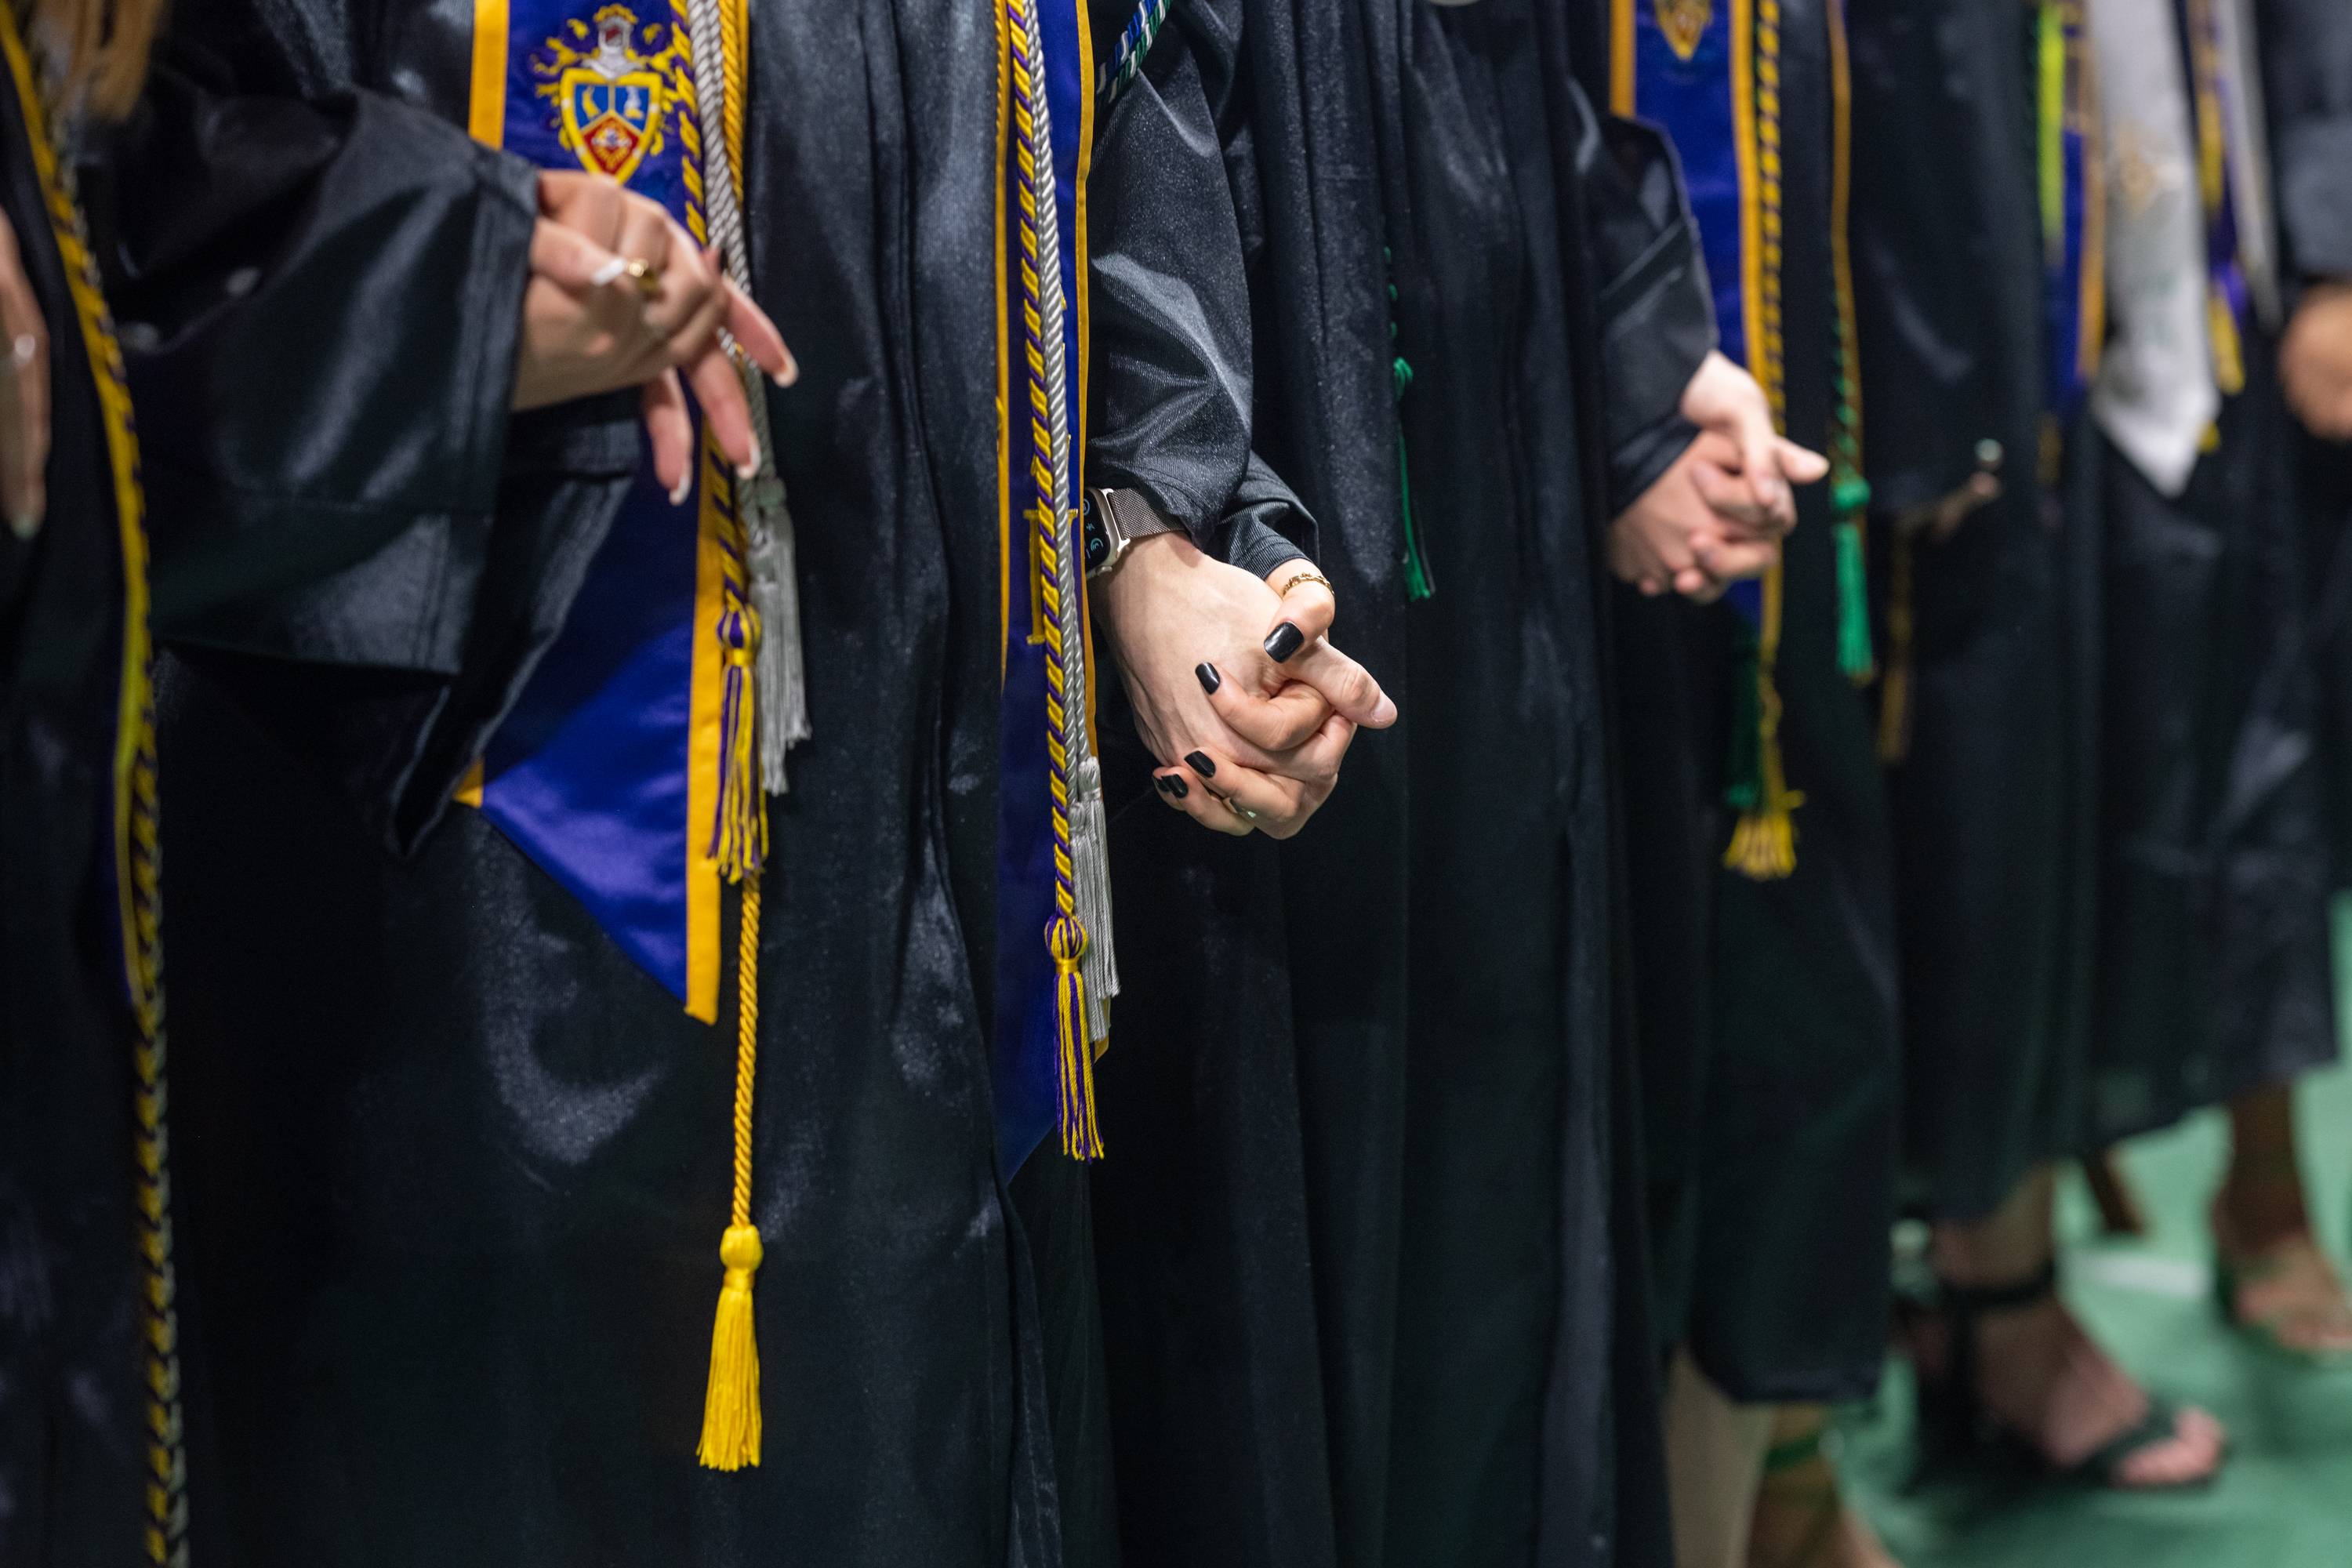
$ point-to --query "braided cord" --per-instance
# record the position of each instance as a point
(719, 30)
(137, 846)
(1849, 492)
(1046, 357)
(1763, 841)
(1135, 41)
(731, 1422)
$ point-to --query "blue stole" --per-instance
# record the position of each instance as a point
(611, 771)
(1044, 1047)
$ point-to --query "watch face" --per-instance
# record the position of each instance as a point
(1096, 543)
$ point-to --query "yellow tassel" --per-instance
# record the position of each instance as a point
(1764, 842)
(730, 1406)
(730, 1412)
(1081, 1140)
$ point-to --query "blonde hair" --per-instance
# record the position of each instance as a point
(102, 46)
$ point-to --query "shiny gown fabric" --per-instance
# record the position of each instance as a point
(72, 1413)
(1217, 1360)
(1772, 1079)
(1993, 800)
(456, 1168)
(1356, 1226)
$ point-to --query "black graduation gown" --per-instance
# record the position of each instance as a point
(458, 1167)
(1766, 1008)
(1461, 1373)
(1215, 1352)
(2306, 49)
(1171, 416)
(1992, 791)
(1551, 307)
(2214, 948)
(2213, 955)
(72, 1413)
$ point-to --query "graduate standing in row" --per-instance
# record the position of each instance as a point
(1763, 921)
(1455, 239)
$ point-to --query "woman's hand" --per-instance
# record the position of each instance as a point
(1724, 401)
(1236, 685)
(1671, 538)
(619, 296)
(24, 394)
(2316, 360)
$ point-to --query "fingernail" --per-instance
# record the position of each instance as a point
(750, 470)
(1200, 763)
(1159, 782)
(1285, 640)
(789, 374)
(1176, 787)
(680, 490)
(1385, 714)
(605, 274)
(24, 524)
(1206, 674)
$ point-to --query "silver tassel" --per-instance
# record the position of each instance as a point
(779, 675)
(1089, 834)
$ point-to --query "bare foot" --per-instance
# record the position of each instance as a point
(2042, 1376)
(1802, 1521)
(2286, 1290)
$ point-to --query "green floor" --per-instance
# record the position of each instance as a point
(2285, 1501)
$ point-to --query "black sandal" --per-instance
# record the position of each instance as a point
(1953, 1422)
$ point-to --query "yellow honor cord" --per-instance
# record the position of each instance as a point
(1764, 841)
(730, 1407)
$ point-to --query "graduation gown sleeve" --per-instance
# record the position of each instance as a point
(322, 301)
(2307, 47)
(1655, 318)
(1169, 311)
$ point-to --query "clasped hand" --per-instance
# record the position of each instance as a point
(620, 296)
(1236, 685)
(1719, 513)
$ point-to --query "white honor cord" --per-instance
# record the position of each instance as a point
(1089, 827)
(780, 676)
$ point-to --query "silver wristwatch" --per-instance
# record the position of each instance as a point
(1111, 521)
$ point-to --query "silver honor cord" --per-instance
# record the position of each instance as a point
(1089, 826)
(779, 677)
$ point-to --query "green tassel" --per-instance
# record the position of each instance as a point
(1854, 656)
(1417, 583)
(1743, 767)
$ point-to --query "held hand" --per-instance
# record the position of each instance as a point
(1724, 401)
(619, 296)
(1690, 532)
(1223, 715)
(2316, 360)
(24, 394)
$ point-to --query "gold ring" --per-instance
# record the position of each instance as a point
(641, 272)
(1298, 577)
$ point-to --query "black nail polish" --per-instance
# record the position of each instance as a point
(1160, 784)
(1200, 763)
(1177, 786)
(1206, 674)
(1285, 640)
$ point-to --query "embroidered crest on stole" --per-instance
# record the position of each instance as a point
(611, 100)
(1683, 23)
